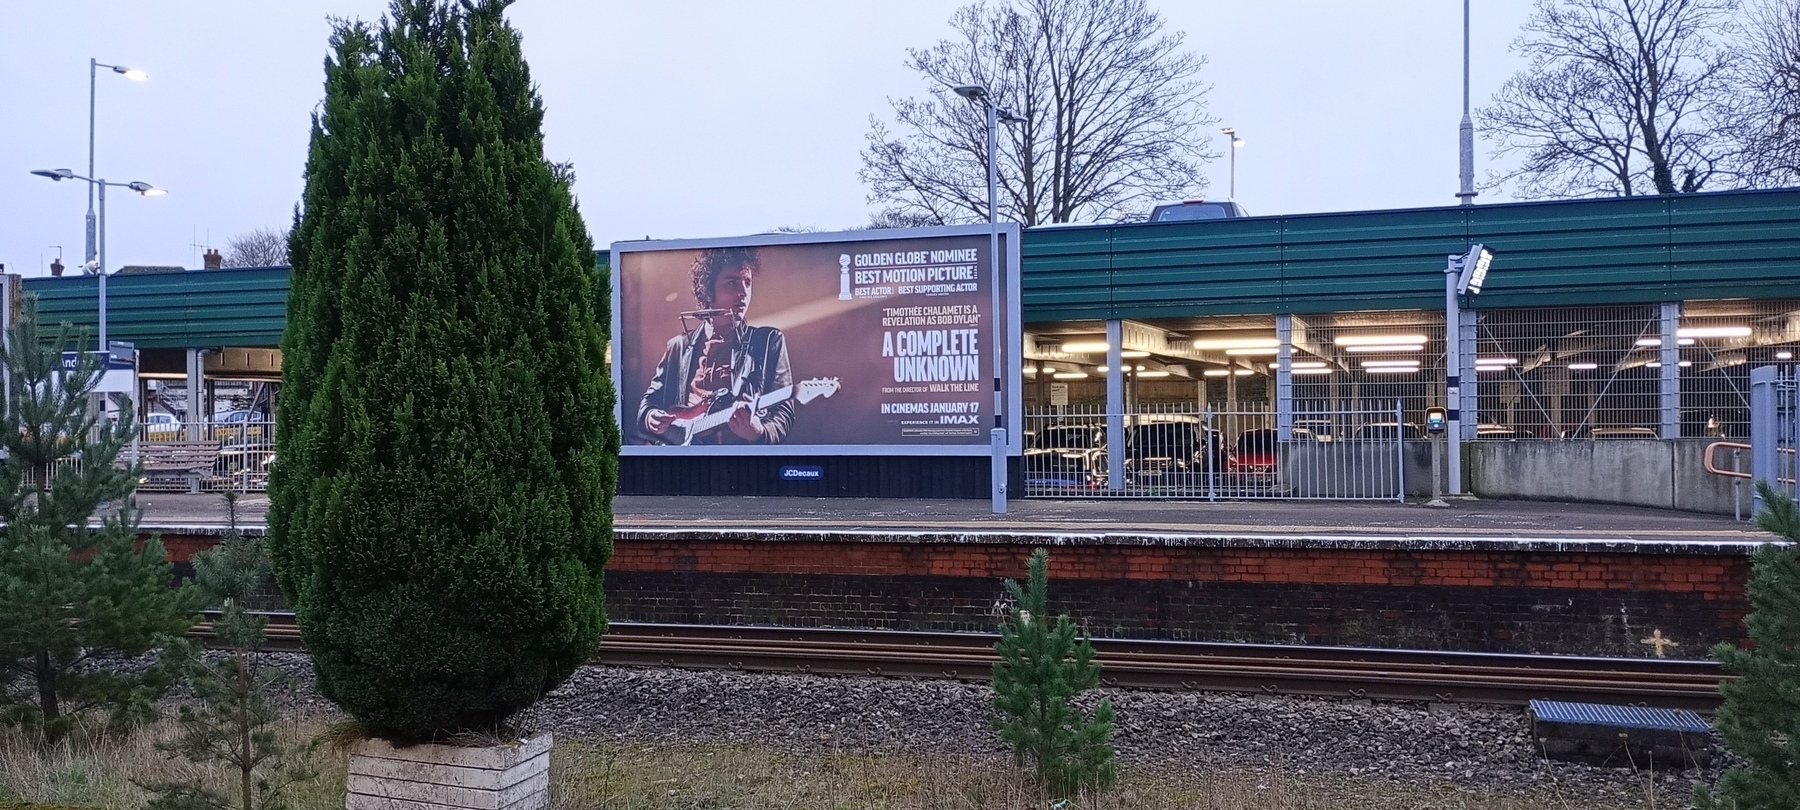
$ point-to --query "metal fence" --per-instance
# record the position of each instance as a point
(1185, 451)
(209, 456)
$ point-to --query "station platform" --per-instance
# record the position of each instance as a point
(1486, 522)
(1480, 576)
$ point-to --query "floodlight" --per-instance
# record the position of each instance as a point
(1474, 270)
(972, 92)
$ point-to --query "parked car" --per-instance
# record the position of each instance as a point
(1386, 431)
(1257, 450)
(241, 426)
(1500, 433)
(1319, 430)
(1058, 456)
(161, 426)
(1196, 210)
(1610, 433)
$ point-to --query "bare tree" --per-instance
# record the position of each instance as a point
(263, 247)
(1767, 119)
(1114, 117)
(1620, 97)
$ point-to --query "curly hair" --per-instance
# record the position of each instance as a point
(710, 263)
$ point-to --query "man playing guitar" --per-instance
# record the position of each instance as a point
(723, 361)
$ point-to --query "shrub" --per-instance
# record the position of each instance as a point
(71, 593)
(1760, 719)
(1044, 664)
(440, 514)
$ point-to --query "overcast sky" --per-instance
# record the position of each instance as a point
(689, 118)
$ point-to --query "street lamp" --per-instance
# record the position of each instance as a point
(94, 66)
(99, 264)
(1236, 144)
(995, 114)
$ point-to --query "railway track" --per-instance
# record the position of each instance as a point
(1265, 668)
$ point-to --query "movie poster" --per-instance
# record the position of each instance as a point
(851, 342)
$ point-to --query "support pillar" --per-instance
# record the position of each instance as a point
(1284, 377)
(196, 395)
(1669, 382)
(1470, 403)
(1115, 406)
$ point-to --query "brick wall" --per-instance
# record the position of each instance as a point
(1565, 602)
(1468, 595)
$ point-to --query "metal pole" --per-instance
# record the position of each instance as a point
(1765, 434)
(1669, 379)
(1466, 133)
(102, 266)
(1453, 377)
(93, 65)
(1115, 406)
(997, 439)
(1233, 147)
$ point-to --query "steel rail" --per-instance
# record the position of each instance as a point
(1351, 672)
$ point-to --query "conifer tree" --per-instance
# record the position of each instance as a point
(1044, 664)
(72, 594)
(234, 724)
(1760, 718)
(440, 513)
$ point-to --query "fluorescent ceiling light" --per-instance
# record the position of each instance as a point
(1312, 371)
(1031, 369)
(1685, 363)
(1211, 344)
(1253, 352)
(1713, 331)
(1496, 361)
(1390, 364)
(1216, 372)
(1101, 369)
(1134, 354)
(1152, 374)
(1391, 370)
(1680, 341)
(1492, 368)
(1378, 340)
(1376, 348)
(1071, 375)
(1778, 356)
(1088, 347)
(1243, 372)
(1306, 364)
(1583, 366)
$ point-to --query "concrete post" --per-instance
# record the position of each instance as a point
(1284, 377)
(1669, 382)
(1471, 378)
(196, 394)
(1115, 406)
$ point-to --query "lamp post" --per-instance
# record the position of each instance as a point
(1236, 144)
(100, 185)
(94, 66)
(997, 439)
(1465, 140)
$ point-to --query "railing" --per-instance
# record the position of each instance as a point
(210, 456)
(1186, 451)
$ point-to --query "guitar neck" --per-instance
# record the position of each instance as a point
(713, 420)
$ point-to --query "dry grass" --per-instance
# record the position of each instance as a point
(97, 771)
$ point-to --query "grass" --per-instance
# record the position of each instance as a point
(96, 771)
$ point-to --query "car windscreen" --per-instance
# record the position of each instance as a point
(1187, 213)
(1258, 441)
(1064, 438)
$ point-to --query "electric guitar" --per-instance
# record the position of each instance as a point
(699, 419)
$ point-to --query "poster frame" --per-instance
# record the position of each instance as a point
(1011, 328)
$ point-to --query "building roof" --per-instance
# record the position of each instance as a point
(1735, 244)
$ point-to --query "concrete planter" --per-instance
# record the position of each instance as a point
(509, 776)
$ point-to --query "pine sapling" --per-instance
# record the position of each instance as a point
(1044, 664)
(1760, 719)
(73, 593)
(234, 724)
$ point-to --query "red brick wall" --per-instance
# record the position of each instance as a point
(1714, 577)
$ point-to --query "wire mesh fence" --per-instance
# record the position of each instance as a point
(1178, 450)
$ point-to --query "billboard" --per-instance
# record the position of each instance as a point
(853, 343)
